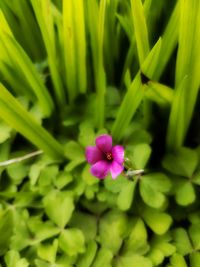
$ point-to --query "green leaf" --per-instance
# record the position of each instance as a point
(45, 21)
(182, 162)
(74, 151)
(41, 230)
(86, 134)
(85, 222)
(169, 40)
(22, 62)
(159, 93)
(88, 178)
(41, 263)
(17, 172)
(160, 248)
(59, 207)
(5, 131)
(104, 258)
(140, 27)
(139, 261)
(182, 241)
(15, 115)
(71, 241)
(194, 259)
(6, 229)
(137, 238)
(48, 251)
(12, 259)
(115, 185)
(152, 187)
(112, 228)
(139, 154)
(158, 221)
(194, 233)
(87, 258)
(126, 195)
(185, 194)
(63, 179)
(177, 260)
(135, 94)
(188, 57)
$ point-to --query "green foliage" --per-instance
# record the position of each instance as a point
(69, 72)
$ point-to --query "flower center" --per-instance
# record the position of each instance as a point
(109, 156)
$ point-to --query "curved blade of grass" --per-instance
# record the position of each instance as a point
(44, 17)
(101, 77)
(188, 59)
(188, 64)
(169, 41)
(159, 93)
(22, 62)
(25, 31)
(17, 117)
(135, 94)
(80, 43)
(176, 123)
(140, 27)
(69, 49)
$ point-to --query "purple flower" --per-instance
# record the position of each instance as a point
(104, 157)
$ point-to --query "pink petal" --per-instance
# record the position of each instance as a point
(100, 169)
(93, 154)
(104, 143)
(118, 154)
(116, 169)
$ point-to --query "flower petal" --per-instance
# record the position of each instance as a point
(116, 169)
(118, 154)
(104, 143)
(93, 154)
(100, 169)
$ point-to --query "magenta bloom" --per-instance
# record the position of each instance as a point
(105, 158)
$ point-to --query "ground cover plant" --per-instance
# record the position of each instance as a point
(71, 73)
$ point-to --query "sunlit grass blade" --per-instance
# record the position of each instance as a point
(80, 43)
(92, 16)
(169, 41)
(140, 27)
(129, 29)
(44, 17)
(111, 42)
(16, 116)
(176, 123)
(188, 58)
(135, 94)
(69, 49)
(101, 77)
(26, 31)
(74, 45)
(159, 93)
(187, 65)
(21, 61)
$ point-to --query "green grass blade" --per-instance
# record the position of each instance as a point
(187, 65)
(159, 93)
(176, 123)
(140, 27)
(188, 59)
(169, 41)
(69, 49)
(80, 42)
(44, 17)
(25, 31)
(101, 77)
(17, 117)
(135, 94)
(22, 62)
